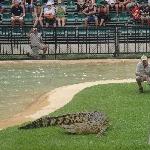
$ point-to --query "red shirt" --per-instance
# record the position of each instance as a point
(136, 13)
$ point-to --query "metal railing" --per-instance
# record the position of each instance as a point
(116, 40)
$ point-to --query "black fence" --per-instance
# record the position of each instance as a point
(77, 41)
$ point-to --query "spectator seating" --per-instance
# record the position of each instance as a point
(72, 16)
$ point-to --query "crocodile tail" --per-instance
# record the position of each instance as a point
(41, 122)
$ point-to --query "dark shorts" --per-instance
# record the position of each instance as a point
(102, 16)
(91, 18)
(50, 21)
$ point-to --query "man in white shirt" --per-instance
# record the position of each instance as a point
(111, 4)
(49, 14)
(142, 72)
(36, 44)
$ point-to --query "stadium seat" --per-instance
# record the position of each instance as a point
(7, 4)
(71, 4)
(80, 17)
(6, 17)
(113, 17)
(124, 17)
(28, 18)
(71, 18)
(99, 2)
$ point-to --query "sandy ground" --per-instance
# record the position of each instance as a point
(83, 61)
(52, 101)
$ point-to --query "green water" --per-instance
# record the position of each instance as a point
(21, 84)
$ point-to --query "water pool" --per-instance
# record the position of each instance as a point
(23, 82)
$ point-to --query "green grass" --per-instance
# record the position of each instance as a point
(128, 111)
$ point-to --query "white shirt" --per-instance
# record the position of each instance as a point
(49, 10)
(111, 1)
(52, 1)
(140, 70)
(35, 39)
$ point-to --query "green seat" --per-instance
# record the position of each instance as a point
(100, 2)
(113, 17)
(124, 17)
(71, 17)
(80, 17)
(28, 17)
(49, 31)
(71, 4)
(7, 2)
(6, 17)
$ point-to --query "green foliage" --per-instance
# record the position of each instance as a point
(127, 109)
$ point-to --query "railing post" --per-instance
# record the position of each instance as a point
(117, 50)
(55, 42)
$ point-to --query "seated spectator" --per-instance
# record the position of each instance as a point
(60, 13)
(121, 4)
(130, 5)
(17, 14)
(49, 14)
(102, 15)
(1, 9)
(145, 14)
(29, 5)
(136, 13)
(37, 14)
(90, 12)
(80, 5)
(111, 4)
(21, 3)
(51, 1)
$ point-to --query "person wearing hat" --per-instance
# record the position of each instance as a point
(36, 44)
(37, 14)
(142, 72)
(49, 14)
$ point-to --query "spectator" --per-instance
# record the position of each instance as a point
(80, 5)
(130, 5)
(111, 4)
(49, 14)
(51, 1)
(36, 44)
(17, 14)
(21, 3)
(60, 13)
(145, 14)
(102, 15)
(142, 72)
(136, 13)
(37, 14)
(1, 9)
(29, 5)
(90, 12)
(121, 4)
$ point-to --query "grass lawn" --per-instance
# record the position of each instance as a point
(128, 111)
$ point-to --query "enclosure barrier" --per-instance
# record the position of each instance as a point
(67, 41)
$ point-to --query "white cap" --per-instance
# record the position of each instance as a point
(49, 3)
(144, 57)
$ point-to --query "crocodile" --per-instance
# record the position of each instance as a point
(77, 123)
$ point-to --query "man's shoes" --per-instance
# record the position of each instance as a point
(141, 90)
